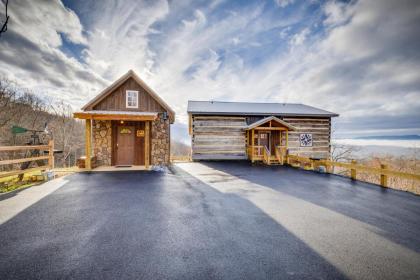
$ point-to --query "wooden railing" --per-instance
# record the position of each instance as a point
(266, 155)
(353, 167)
(49, 157)
(255, 152)
(180, 158)
(280, 153)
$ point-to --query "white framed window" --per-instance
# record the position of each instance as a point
(132, 99)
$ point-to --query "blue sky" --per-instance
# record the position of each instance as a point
(357, 58)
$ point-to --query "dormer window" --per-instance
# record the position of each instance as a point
(132, 99)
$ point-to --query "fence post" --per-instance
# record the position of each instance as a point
(384, 178)
(51, 154)
(353, 170)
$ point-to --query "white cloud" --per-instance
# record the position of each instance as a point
(363, 64)
(284, 3)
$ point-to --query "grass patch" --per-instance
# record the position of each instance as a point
(12, 183)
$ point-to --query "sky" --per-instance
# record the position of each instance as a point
(360, 59)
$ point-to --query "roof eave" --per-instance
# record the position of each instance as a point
(262, 114)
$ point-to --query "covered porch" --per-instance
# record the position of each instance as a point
(267, 140)
(138, 124)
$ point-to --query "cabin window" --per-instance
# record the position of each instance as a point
(132, 99)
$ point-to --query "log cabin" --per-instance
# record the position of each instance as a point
(127, 124)
(260, 132)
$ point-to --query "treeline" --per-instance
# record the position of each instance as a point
(21, 107)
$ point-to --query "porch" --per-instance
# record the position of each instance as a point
(121, 139)
(267, 140)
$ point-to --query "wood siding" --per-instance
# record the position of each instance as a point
(218, 137)
(116, 100)
(223, 137)
(320, 128)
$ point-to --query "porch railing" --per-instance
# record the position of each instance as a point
(266, 155)
(280, 153)
(255, 152)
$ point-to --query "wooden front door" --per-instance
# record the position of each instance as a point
(125, 145)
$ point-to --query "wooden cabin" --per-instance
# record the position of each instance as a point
(127, 124)
(258, 131)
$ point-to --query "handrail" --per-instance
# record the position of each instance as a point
(266, 155)
(280, 152)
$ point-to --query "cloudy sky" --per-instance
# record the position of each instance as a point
(360, 59)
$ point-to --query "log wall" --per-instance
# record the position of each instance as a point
(218, 137)
(223, 137)
(320, 128)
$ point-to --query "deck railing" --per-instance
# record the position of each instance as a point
(255, 153)
(266, 155)
(353, 167)
(49, 157)
(280, 153)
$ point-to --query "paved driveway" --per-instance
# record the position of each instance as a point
(214, 221)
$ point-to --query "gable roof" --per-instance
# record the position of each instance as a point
(248, 108)
(267, 119)
(130, 74)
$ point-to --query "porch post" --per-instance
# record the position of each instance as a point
(287, 138)
(252, 145)
(146, 145)
(88, 135)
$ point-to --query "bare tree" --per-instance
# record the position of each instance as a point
(4, 26)
(340, 152)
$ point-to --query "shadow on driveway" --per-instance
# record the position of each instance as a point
(395, 213)
(148, 225)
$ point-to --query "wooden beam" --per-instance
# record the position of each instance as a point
(17, 148)
(384, 177)
(20, 160)
(51, 154)
(146, 145)
(252, 145)
(269, 128)
(88, 135)
(109, 117)
(353, 171)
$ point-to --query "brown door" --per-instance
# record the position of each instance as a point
(264, 140)
(125, 145)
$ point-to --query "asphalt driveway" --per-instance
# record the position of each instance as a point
(213, 221)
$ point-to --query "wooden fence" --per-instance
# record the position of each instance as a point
(49, 157)
(174, 158)
(353, 167)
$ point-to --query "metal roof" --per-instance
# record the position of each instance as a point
(249, 108)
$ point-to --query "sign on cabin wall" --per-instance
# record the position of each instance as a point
(305, 140)
(125, 131)
(140, 133)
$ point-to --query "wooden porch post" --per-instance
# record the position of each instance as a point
(287, 138)
(146, 145)
(51, 154)
(88, 135)
(252, 145)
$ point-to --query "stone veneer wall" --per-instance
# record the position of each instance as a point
(160, 143)
(102, 149)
